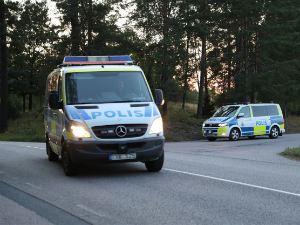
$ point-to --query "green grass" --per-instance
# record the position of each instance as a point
(28, 128)
(182, 125)
(293, 153)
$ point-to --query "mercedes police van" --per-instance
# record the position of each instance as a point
(244, 120)
(99, 109)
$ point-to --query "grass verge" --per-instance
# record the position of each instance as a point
(28, 128)
(291, 153)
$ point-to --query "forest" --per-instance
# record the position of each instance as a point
(203, 52)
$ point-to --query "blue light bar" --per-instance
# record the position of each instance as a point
(118, 59)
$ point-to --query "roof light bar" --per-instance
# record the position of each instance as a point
(119, 59)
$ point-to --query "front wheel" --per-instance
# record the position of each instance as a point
(70, 168)
(234, 134)
(274, 133)
(156, 165)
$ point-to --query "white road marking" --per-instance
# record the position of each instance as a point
(234, 182)
(33, 186)
(90, 210)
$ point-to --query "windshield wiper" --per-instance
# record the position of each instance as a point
(123, 101)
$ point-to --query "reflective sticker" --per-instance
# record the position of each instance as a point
(155, 110)
(260, 130)
(261, 123)
(53, 128)
(148, 111)
(226, 119)
(84, 114)
(73, 114)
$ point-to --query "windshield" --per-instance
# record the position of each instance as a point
(226, 111)
(106, 87)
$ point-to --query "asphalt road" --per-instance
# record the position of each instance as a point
(221, 182)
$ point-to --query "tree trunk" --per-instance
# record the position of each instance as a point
(4, 76)
(75, 29)
(165, 76)
(203, 70)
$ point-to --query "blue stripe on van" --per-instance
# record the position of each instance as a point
(276, 119)
(73, 114)
(148, 111)
(247, 131)
(84, 114)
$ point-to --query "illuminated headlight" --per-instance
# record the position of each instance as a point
(223, 124)
(79, 130)
(157, 126)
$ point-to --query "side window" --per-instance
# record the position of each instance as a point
(259, 111)
(246, 111)
(272, 110)
(50, 85)
(60, 94)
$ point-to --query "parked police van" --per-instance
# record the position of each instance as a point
(100, 109)
(244, 120)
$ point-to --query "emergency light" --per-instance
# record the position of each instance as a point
(81, 60)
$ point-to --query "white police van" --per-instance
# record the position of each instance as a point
(100, 109)
(244, 120)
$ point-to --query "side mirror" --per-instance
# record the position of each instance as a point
(241, 115)
(159, 99)
(53, 100)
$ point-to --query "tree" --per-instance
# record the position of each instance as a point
(4, 85)
(30, 42)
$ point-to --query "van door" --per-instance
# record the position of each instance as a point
(246, 123)
(262, 120)
(56, 118)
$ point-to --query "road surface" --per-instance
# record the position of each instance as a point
(221, 182)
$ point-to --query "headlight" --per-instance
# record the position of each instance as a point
(79, 130)
(223, 124)
(157, 126)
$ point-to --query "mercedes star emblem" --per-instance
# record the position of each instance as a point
(121, 131)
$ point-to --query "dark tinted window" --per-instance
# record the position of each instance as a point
(272, 110)
(259, 111)
(266, 110)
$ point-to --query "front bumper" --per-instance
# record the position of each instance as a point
(99, 151)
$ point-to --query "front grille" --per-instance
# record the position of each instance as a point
(115, 147)
(211, 125)
(109, 132)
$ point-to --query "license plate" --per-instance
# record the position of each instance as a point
(122, 156)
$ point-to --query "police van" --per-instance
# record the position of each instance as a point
(244, 120)
(99, 109)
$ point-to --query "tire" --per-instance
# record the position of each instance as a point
(211, 138)
(52, 156)
(274, 132)
(234, 134)
(70, 168)
(156, 165)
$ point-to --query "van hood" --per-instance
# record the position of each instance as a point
(113, 113)
(219, 119)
